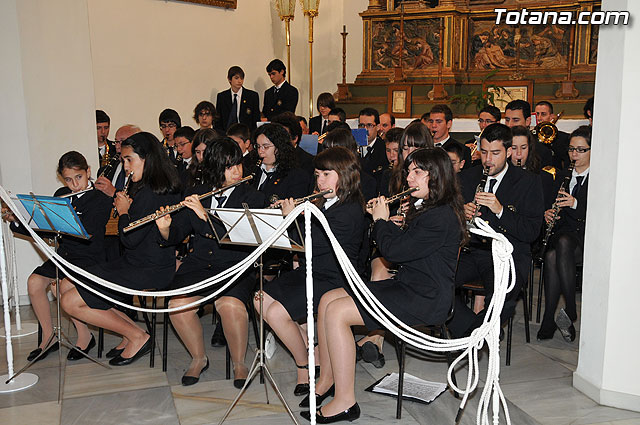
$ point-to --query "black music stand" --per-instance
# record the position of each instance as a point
(54, 215)
(250, 228)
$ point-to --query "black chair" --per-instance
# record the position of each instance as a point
(151, 329)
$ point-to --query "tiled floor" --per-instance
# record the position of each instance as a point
(537, 386)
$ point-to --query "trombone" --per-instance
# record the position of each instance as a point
(547, 131)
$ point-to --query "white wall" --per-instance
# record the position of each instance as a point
(46, 102)
(153, 54)
(610, 338)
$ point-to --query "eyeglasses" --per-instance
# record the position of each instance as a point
(263, 147)
(183, 144)
(481, 121)
(367, 125)
(579, 150)
(169, 125)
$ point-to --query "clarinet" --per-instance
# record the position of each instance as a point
(479, 188)
(109, 170)
(125, 190)
(556, 210)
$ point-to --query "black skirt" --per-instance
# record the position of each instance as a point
(241, 289)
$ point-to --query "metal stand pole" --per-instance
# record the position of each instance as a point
(259, 365)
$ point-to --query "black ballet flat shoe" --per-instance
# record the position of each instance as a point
(114, 352)
(75, 354)
(319, 397)
(565, 326)
(351, 414)
(544, 335)
(239, 383)
(371, 354)
(358, 353)
(190, 380)
(35, 353)
(301, 389)
(123, 361)
(218, 339)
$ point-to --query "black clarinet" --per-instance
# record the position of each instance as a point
(556, 210)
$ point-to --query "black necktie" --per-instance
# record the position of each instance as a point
(120, 180)
(578, 185)
(324, 127)
(492, 183)
(269, 174)
(220, 200)
(233, 115)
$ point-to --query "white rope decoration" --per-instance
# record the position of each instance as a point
(504, 273)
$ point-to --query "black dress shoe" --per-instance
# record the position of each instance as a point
(301, 389)
(371, 354)
(123, 361)
(75, 354)
(239, 383)
(190, 380)
(218, 339)
(319, 397)
(114, 352)
(35, 353)
(351, 414)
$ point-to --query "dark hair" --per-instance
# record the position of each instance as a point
(497, 131)
(394, 134)
(456, 148)
(347, 165)
(289, 121)
(392, 119)
(442, 109)
(159, 173)
(443, 185)
(583, 131)
(493, 111)
(101, 116)
(203, 135)
(533, 159)
(233, 71)
(221, 154)
(303, 119)
(425, 116)
(338, 124)
(239, 130)
(326, 99)
(204, 106)
(340, 137)
(342, 115)
(370, 112)
(415, 135)
(277, 65)
(278, 135)
(186, 132)
(169, 115)
(519, 105)
(72, 160)
(545, 103)
(588, 107)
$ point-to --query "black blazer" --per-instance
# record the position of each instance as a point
(304, 160)
(467, 151)
(140, 245)
(275, 103)
(293, 184)
(376, 157)
(545, 154)
(520, 194)
(248, 104)
(93, 209)
(315, 124)
(426, 252)
(207, 252)
(573, 220)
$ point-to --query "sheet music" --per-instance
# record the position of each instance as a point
(266, 221)
(413, 387)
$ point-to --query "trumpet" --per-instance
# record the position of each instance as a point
(173, 208)
(479, 188)
(394, 198)
(302, 200)
(556, 209)
(125, 190)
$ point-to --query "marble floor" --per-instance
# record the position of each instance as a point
(537, 386)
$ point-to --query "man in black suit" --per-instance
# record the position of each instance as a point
(105, 146)
(544, 113)
(374, 154)
(518, 112)
(511, 201)
(288, 120)
(169, 122)
(184, 138)
(439, 123)
(237, 104)
(325, 104)
(282, 96)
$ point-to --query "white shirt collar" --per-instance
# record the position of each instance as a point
(443, 141)
(497, 177)
(227, 193)
(239, 93)
(279, 86)
(329, 202)
(585, 173)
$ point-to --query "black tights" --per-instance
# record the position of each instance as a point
(560, 278)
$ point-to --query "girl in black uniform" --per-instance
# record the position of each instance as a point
(222, 166)
(145, 264)
(567, 243)
(421, 291)
(93, 208)
(338, 169)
